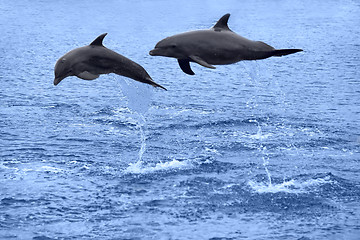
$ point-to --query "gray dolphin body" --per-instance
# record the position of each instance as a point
(216, 46)
(90, 61)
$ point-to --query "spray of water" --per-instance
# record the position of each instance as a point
(138, 97)
(252, 104)
(141, 123)
(262, 148)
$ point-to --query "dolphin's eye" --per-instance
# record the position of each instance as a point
(173, 46)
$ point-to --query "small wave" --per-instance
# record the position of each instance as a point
(291, 186)
(209, 124)
(260, 136)
(47, 169)
(114, 122)
(140, 168)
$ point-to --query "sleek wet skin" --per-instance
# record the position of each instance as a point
(216, 46)
(90, 61)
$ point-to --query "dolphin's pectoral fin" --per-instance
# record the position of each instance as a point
(185, 66)
(87, 75)
(201, 62)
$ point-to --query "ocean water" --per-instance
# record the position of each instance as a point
(255, 150)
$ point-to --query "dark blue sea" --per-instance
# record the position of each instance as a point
(263, 149)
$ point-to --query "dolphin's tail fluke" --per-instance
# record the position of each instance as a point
(152, 83)
(283, 52)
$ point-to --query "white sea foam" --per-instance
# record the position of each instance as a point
(50, 169)
(291, 186)
(44, 169)
(212, 151)
(260, 136)
(140, 168)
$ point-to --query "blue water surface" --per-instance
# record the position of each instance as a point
(255, 150)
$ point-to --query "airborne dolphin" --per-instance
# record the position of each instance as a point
(215, 46)
(90, 61)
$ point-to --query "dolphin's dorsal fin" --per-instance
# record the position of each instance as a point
(222, 24)
(98, 41)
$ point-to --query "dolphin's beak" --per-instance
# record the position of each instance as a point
(153, 52)
(58, 80)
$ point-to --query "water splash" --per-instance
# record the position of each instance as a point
(292, 186)
(140, 168)
(252, 104)
(265, 155)
(252, 70)
(141, 123)
(265, 164)
(138, 97)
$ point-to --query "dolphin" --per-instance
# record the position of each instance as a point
(215, 46)
(90, 61)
